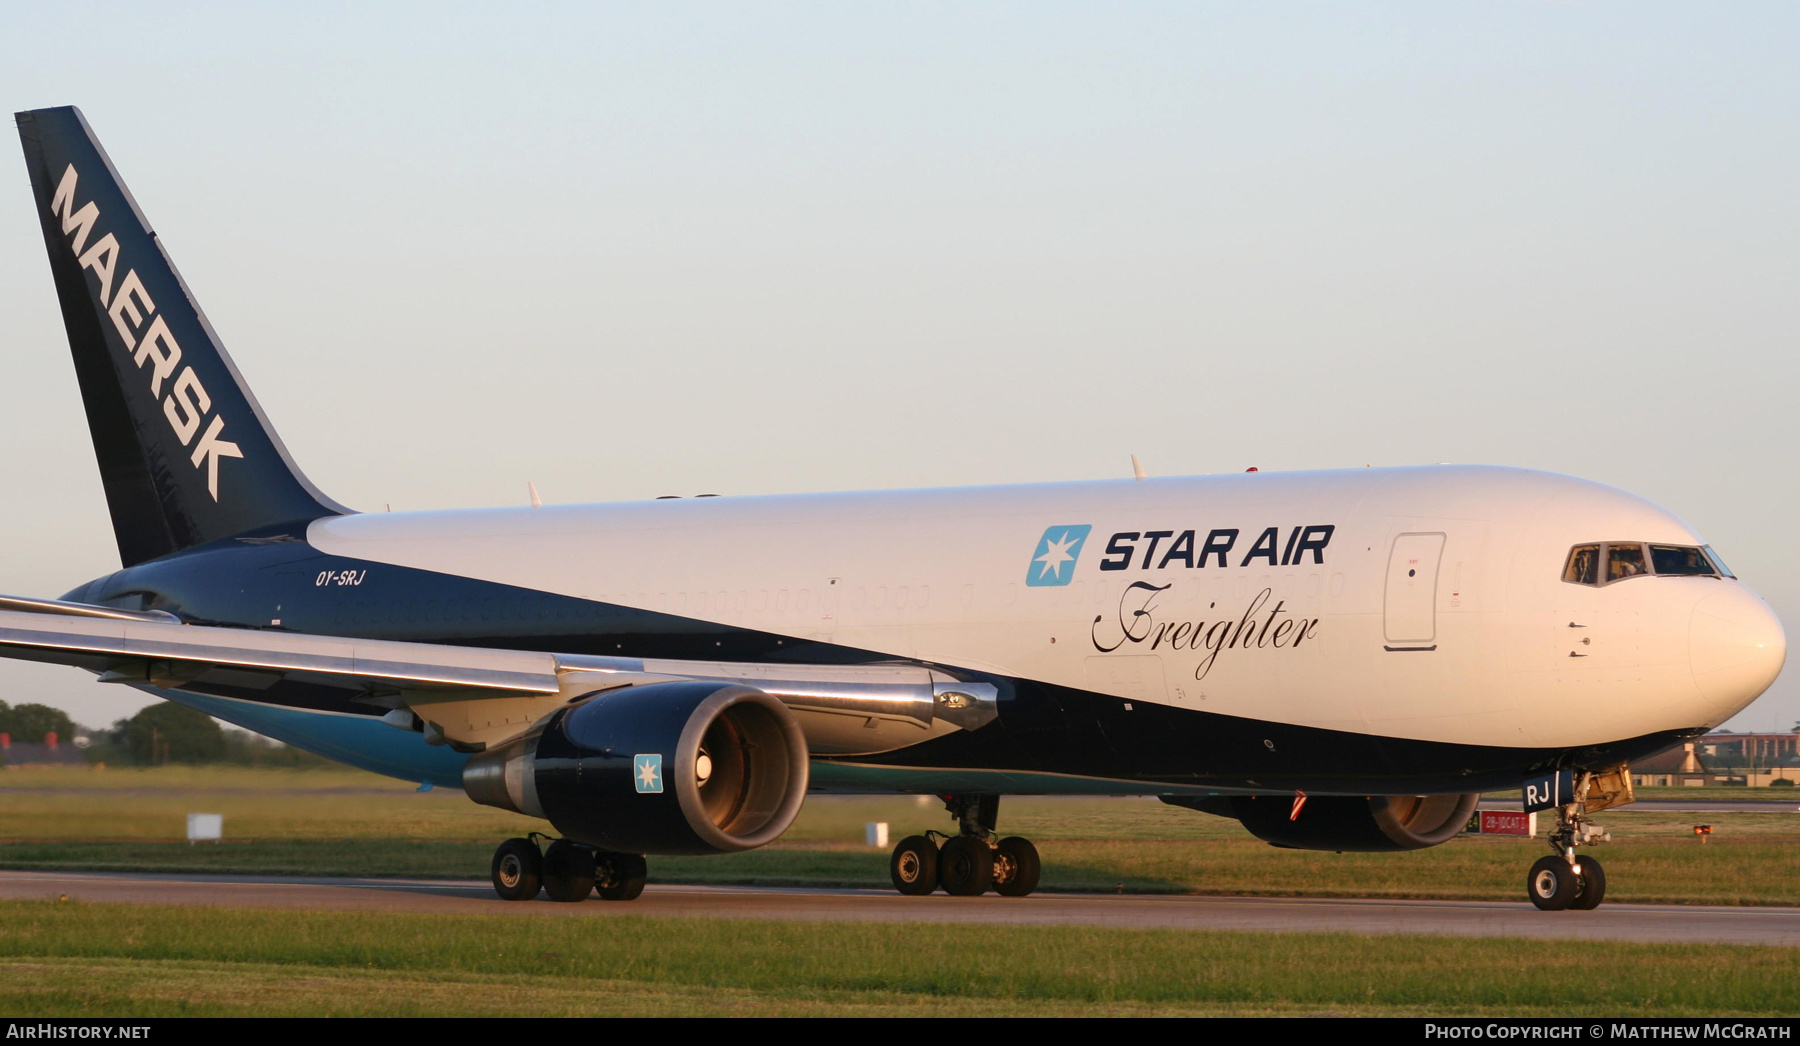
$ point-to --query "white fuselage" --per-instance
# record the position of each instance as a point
(1435, 610)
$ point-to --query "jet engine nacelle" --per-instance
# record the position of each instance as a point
(664, 768)
(1365, 824)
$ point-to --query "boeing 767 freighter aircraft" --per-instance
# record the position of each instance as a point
(1340, 660)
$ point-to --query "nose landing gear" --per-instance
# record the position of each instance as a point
(1556, 883)
(968, 864)
(1567, 880)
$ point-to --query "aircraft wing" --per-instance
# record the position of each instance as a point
(474, 697)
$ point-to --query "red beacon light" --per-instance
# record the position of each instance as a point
(1251, 469)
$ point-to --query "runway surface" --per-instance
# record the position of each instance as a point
(1612, 922)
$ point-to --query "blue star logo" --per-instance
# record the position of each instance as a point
(1054, 561)
(646, 770)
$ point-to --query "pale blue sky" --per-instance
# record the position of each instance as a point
(629, 250)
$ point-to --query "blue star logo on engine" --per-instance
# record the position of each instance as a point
(646, 770)
(1054, 561)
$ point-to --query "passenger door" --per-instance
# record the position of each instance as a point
(830, 595)
(1409, 606)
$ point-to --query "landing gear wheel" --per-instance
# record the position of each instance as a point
(914, 866)
(1593, 886)
(1552, 885)
(1016, 867)
(619, 877)
(568, 871)
(966, 866)
(518, 868)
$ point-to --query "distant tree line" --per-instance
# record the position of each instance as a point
(27, 724)
(162, 733)
(167, 732)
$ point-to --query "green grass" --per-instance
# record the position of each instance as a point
(75, 959)
(153, 803)
(82, 959)
(344, 822)
(340, 803)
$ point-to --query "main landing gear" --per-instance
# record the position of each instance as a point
(1566, 880)
(970, 863)
(565, 871)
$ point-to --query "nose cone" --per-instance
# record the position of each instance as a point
(1736, 647)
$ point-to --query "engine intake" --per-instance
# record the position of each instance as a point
(665, 768)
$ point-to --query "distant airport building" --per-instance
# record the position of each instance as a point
(1755, 760)
(1681, 765)
(1759, 759)
(49, 752)
(1752, 750)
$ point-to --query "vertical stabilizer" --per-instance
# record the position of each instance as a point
(185, 453)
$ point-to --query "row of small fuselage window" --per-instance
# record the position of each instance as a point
(1605, 562)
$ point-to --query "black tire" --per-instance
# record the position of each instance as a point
(620, 877)
(914, 866)
(518, 870)
(1551, 884)
(568, 872)
(1016, 867)
(1593, 886)
(966, 866)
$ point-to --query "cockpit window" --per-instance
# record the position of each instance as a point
(1673, 559)
(1584, 565)
(1623, 561)
(1601, 564)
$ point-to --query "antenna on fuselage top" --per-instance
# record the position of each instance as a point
(1137, 468)
(536, 502)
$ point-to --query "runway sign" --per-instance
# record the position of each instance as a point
(1507, 822)
(206, 826)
